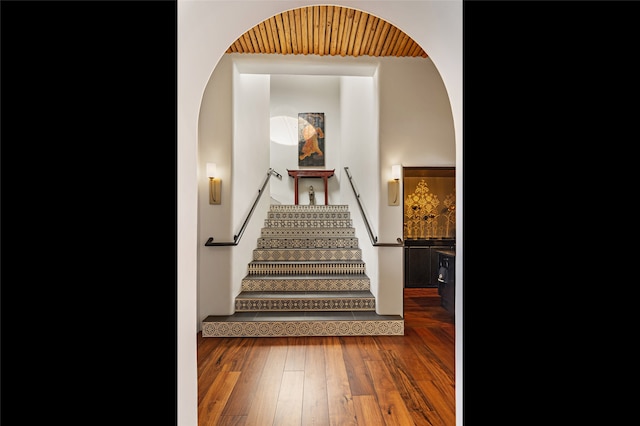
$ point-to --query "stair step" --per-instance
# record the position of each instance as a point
(293, 208)
(307, 254)
(317, 282)
(271, 324)
(307, 243)
(252, 301)
(308, 215)
(303, 223)
(306, 267)
(307, 232)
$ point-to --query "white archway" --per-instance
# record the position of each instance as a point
(205, 30)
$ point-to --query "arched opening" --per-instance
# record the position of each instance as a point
(194, 60)
(412, 125)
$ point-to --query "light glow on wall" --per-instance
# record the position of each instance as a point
(284, 130)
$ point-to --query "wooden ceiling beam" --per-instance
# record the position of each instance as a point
(346, 32)
(328, 30)
(281, 37)
(291, 29)
(368, 34)
(316, 30)
(354, 33)
(322, 29)
(305, 30)
(286, 31)
(335, 30)
(299, 38)
(274, 34)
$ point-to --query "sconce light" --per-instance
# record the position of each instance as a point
(394, 185)
(214, 184)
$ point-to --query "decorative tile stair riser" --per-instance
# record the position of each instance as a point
(315, 255)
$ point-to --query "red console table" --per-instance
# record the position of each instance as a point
(324, 174)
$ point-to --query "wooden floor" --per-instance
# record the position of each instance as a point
(352, 380)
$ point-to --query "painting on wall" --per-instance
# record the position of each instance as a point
(311, 139)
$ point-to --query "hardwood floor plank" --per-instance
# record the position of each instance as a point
(422, 307)
(250, 369)
(221, 357)
(357, 373)
(296, 352)
(367, 410)
(440, 366)
(407, 348)
(289, 406)
(207, 357)
(315, 405)
(419, 405)
(439, 340)
(446, 333)
(263, 406)
(392, 407)
(210, 395)
(213, 404)
(442, 400)
(232, 421)
(205, 346)
(341, 410)
(369, 348)
(396, 413)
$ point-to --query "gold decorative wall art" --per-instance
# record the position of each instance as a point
(450, 214)
(429, 204)
(421, 211)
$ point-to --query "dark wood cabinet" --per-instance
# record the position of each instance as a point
(417, 267)
(447, 279)
(421, 261)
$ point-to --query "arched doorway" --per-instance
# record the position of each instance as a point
(200, 45)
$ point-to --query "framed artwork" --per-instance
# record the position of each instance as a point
(311, 139)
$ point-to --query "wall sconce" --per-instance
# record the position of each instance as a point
(394, 185)
(214, 184)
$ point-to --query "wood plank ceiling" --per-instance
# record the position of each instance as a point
(326, 30)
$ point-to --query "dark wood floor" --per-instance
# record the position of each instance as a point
(359, 380)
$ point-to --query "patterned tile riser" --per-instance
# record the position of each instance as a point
(307, 232)
(303, 328)
(293, 208)
(309, 216)
(288, 254)
(305, 305)
(305, 284)
(307, 243)
(345, 223)
(304, 269)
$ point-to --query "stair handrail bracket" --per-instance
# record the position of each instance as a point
(372, 236)
(236, 238)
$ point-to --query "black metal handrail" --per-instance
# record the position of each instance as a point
(236, 238)
(374, 238)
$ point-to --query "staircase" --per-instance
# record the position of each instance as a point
(307, 278)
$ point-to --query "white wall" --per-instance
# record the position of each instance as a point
(205, 30)
(359, 107)
(216, 221)
(290, 95)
